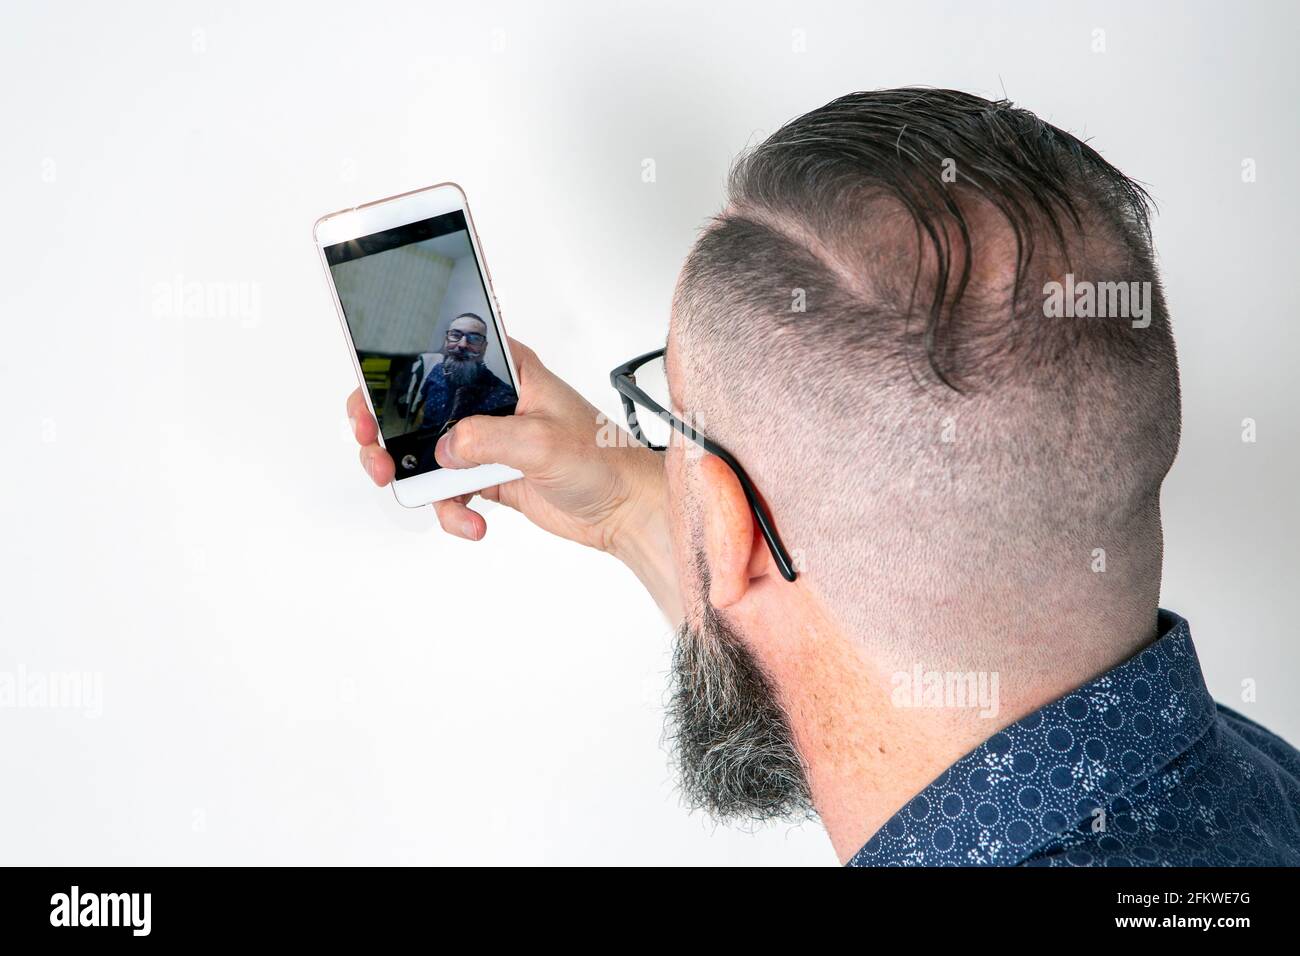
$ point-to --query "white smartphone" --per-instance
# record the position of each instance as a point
(422, 324)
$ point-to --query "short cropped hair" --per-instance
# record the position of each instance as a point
(869, 319)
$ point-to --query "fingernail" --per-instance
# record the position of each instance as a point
(440, 453)
(353, 422)
(370, 466)
(467, 528)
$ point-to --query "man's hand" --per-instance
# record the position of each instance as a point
(609, 498)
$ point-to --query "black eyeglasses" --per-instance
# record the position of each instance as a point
(473, 338)
(632, 395)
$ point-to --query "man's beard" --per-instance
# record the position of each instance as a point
(460, 371)
(727, 732)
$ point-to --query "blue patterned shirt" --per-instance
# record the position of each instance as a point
(486, 393)
(1139, 767)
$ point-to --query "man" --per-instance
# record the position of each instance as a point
(968, 478)
(456, 382)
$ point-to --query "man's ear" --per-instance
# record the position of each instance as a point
(733, 543)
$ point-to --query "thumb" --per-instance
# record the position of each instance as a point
(518, 441)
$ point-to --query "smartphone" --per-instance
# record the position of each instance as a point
(423, 328)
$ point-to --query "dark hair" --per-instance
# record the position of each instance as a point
(869, 338)
(827, 170)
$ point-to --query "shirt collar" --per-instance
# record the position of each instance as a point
(1050, 771)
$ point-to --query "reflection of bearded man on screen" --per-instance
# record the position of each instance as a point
(459, 384)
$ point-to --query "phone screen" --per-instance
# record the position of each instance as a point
(430, 351)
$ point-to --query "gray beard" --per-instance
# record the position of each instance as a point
(460, 372)
(726, 731)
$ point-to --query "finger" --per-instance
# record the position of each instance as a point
(505, 494)
(364, 428)
(519, 441)
(460, 520)
(378, 464)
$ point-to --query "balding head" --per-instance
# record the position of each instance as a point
(866, 328)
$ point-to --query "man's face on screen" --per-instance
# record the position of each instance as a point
(466, 339)
(463, 350)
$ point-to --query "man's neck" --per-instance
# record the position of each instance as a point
(875, 724)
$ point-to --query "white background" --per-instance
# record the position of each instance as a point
(294, 668)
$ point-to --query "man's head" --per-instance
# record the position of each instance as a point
(463, 348)
(885, 326)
